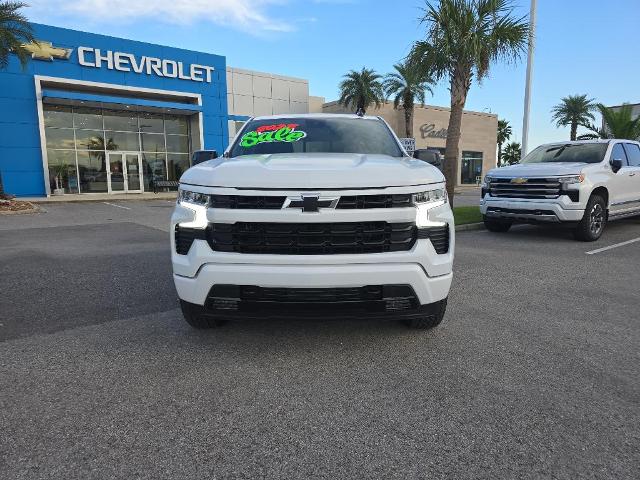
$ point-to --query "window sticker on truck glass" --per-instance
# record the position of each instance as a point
(281, 132)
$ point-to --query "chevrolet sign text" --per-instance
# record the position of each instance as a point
(127, 62)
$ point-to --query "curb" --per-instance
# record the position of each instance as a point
(95, 200)
(469, 227)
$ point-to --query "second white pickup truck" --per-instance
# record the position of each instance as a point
(583, 184)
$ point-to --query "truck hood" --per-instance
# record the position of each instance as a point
(293, 171)
(547, 169)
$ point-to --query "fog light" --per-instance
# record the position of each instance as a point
(398, 304)
(225, 304)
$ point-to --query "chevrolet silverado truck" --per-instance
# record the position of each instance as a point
(314, 215)
(582, 184)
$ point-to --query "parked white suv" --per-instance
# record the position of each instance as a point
(313, 215)
(584, 184)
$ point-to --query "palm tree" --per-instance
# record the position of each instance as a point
(407, 84)
(504, 134)
(464, 37)
(97, 143)
(15, 30)
(360, 89)
(617, 123)
(511, 153)
(574, 110)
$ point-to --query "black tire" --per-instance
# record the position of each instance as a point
(497, 225)
(594, 220)
(196, 316)
(429, 320)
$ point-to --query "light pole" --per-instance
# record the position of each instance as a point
(527, 88)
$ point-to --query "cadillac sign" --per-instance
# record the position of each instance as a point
(429, 131)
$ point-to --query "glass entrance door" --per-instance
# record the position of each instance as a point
(125, 172)
(115, 173)
(133, 172)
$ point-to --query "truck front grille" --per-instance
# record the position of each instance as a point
(525, 188)
(311, 238)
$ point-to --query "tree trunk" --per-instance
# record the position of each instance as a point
(574, 130)
(408, 122)
(460, 83)
(1, 186)
(499, 154)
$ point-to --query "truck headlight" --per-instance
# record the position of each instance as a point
(427, 201)
(571, 179)
(430, 198)
(194, 198)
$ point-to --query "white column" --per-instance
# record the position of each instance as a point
(527, 89)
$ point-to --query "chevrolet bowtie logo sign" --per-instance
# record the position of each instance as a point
(46, 51)
(311, 203)
(518, 180)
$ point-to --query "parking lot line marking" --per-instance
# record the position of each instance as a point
(114, 205)
(615, 245)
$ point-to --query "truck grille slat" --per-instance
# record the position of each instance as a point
(246, 202)
(267, 202)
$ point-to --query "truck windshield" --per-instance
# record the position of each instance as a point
(316, 135)
(568, 152)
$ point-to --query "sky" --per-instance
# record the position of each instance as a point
(582, 46)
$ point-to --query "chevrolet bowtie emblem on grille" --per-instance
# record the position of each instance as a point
(519, 180)
(46, 51)
(310, 202)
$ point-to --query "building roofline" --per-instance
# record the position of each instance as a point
(128, 40)
(425, 106)
(623, 104)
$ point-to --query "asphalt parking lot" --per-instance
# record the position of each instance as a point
(534, 372)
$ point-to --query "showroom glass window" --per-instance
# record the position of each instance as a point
(79, 138)
(471, 169)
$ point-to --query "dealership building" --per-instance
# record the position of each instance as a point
(98, 114)
(477, 140)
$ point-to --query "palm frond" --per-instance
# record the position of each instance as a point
(15, 30)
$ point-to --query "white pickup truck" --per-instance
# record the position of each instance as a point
(583, 184)
(313, 215)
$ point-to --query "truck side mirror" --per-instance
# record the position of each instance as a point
(202, 156)
(616, 164)
(427, 156)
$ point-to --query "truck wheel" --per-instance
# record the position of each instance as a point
(496, 225)
(594, 220)
(431, 320)
(196, 317)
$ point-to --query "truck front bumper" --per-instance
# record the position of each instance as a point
(427, 289)
(530, 211)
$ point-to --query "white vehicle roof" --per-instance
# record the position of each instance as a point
(579, 142)
(314, 115)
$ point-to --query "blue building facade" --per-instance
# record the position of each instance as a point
(94, 114)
